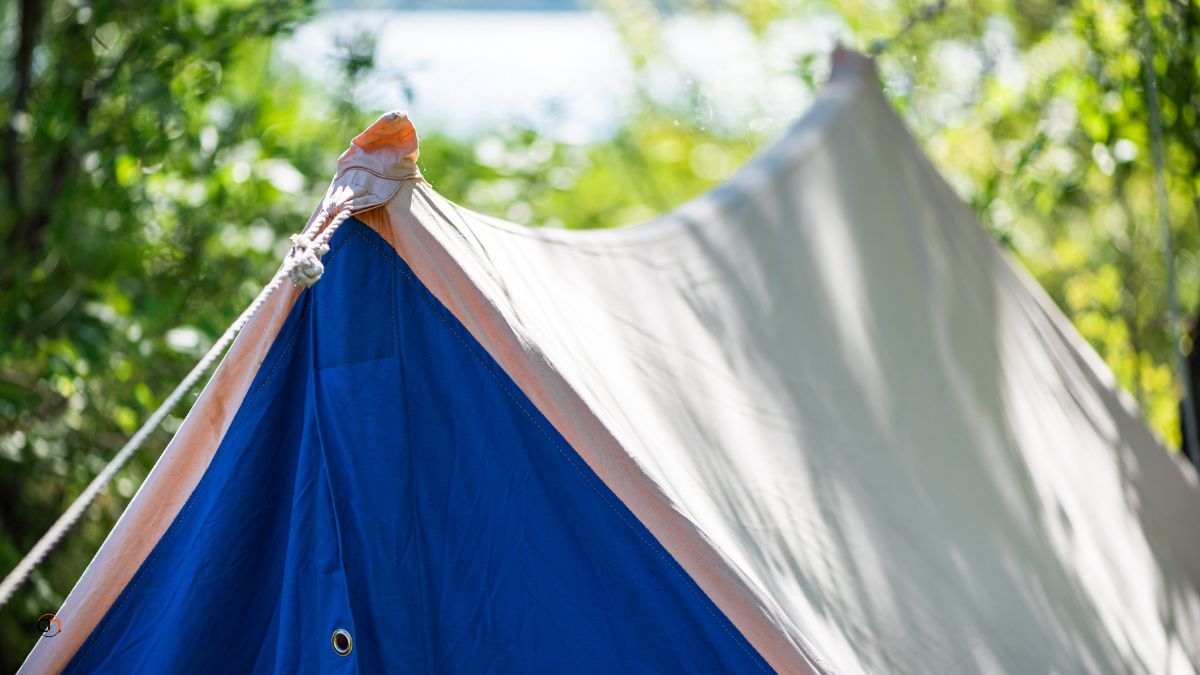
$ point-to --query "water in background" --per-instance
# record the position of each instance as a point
(566, 74)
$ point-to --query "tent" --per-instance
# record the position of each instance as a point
(813, 421)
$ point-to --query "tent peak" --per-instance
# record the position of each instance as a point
(850, 63)
(379, 160)
(388, 148)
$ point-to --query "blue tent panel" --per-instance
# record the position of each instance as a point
(384, 476)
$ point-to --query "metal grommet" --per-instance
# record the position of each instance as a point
(342, 642)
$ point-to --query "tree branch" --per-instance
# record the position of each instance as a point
(30, 22)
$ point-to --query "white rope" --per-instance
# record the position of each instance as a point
(306, 259)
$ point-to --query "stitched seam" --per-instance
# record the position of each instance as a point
(291, 337)
(355, 167)
(423, 609)
(657, 548)
(329, 258)
(367, 359)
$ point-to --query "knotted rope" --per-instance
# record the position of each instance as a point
(305, 258)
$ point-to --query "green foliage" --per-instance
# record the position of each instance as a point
(156, 157)
(651, 165)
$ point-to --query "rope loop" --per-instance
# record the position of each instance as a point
(304, 265)
(306, 254)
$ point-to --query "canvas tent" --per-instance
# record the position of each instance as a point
(813, 421)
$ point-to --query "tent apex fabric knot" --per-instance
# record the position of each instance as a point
(389, 148)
